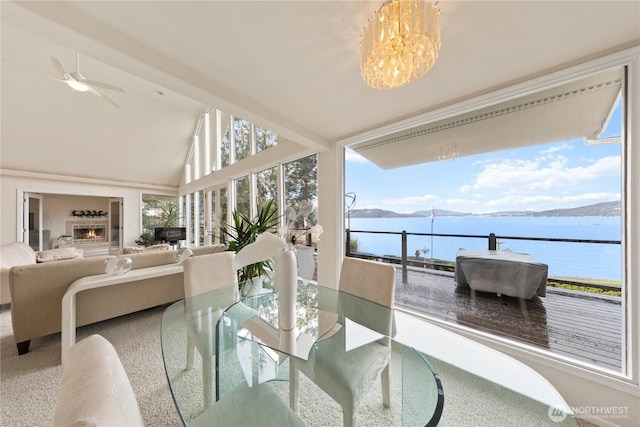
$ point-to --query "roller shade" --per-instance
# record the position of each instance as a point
(575, 110)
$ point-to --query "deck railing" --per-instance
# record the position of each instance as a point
(492, 243)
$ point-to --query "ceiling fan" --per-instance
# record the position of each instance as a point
(76, 81)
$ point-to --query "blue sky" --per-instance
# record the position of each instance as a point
(558, 175)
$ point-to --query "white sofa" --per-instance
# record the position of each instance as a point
(20, 254)
(11, 255)
(37, 291)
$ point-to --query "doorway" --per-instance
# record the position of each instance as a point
(115, 225)
(32, 230)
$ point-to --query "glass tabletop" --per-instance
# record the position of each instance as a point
(243, 365)
(320, 313)
(253, 361)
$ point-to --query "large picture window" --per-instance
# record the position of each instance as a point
(541, 176)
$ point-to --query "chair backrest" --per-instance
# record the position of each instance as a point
(206, 273)
(306, 263)
(371, 280)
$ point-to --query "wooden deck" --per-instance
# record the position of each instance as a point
(582, 326)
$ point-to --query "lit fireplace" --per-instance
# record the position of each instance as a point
(89, 233)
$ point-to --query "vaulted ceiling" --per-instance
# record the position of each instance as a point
(290, 66)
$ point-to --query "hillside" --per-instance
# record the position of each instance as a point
(598, 209)
(378, 213)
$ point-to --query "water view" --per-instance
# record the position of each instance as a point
(567, 260)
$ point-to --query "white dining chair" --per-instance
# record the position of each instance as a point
(306, 263)
(347, 374)
(203, 274)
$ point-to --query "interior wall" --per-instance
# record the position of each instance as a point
(57, 210)
(330, 213)
(12, 183)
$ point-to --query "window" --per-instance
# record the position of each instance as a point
(225, 150)
(159, 211)
(197, 209)
(265, 139)
(221, 140)
(243, 200)
(266, 185)
(545, 173)
(301, 186)
(241, 139)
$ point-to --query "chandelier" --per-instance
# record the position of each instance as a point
(400, 44)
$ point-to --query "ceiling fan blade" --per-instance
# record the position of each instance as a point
(103, 85)
(57, 64)
(104, 96)
(57, 78)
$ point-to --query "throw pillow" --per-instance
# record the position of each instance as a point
(57, 254)
(159, 247)
(132, 249)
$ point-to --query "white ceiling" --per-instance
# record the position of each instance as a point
(290, 66)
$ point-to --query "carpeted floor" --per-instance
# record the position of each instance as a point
(29, 382)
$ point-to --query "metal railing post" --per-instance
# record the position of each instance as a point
(348, 243)
(404, 257)
(492, 242)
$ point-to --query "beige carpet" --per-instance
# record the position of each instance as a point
(29, 382)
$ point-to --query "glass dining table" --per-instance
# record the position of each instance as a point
(253, 360)
(249, 366)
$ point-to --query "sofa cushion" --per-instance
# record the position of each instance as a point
(58, 254)
(161, 257)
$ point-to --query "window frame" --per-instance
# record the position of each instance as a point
(629, 58)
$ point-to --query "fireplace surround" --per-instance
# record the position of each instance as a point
(88, 232)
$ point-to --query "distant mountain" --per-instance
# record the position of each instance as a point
(440, 212)
(598, 209)
(377, 213)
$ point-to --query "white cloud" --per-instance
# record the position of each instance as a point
(541, 174)
(412, 203)
(559, 147)
(352, 156)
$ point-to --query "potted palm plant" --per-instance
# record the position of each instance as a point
(242, 231)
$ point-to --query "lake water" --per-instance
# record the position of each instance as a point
(579, 260)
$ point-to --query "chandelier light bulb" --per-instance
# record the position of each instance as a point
(400, 44)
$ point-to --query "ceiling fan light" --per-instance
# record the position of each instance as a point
(76, 85)
(400, 44)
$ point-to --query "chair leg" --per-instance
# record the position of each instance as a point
(294, 379)
(386, 387)
(191, 347)
(207, 381)
(348, 416)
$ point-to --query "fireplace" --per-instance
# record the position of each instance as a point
(88, 232)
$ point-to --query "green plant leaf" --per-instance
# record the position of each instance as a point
(243, 230)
